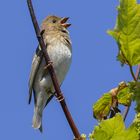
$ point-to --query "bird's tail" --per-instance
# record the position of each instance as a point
(37, 119)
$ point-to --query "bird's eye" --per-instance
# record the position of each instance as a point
(54, 21)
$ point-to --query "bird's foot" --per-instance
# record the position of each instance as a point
(50, 63)
(60, 97)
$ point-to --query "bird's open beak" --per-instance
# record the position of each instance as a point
(63, 22)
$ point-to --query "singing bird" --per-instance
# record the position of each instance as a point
(57, 40)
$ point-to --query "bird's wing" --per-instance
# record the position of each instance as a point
(34, 69)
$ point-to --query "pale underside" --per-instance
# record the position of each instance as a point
(60, 53)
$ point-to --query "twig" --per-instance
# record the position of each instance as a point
(51, 71)
(132, 73)
(126, 112)
(138, 72)
(135, 77)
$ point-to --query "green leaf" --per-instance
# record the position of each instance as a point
(129, 93)
(124, 96)
(136, 123)
(127, 32)
(114, 129)
(128, 134)
(135, 89)
(108, 128)
(91, 136)
(101, 108)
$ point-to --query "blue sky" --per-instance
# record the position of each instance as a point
(94, 68)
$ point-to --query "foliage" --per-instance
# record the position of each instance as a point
(127, 35)
(122, 95)
(127, 32)
(102, 107)
(137, 123)
(135, 88)
(114, 129)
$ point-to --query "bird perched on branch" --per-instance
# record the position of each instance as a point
(56, 37)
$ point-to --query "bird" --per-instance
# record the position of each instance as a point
(56, 36)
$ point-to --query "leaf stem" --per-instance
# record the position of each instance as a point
(137, 72)
(132, 73)
(126, 112)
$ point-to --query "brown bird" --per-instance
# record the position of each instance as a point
(56, 37)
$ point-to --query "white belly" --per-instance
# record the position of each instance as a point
(60, 55)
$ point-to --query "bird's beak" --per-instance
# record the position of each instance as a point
(63, 22)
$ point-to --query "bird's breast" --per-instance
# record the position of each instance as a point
(60, 55)
(59, 52)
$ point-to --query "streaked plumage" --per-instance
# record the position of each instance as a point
(58, 43)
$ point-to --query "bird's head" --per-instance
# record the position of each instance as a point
(55, 23)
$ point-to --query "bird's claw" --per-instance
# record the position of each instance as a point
(50, 63)
(60, 98)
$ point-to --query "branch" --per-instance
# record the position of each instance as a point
(135, 77)
(132, 73)
(126, 112)
(52, 72)
(138, 72)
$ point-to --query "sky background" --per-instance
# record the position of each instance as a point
(94, 68)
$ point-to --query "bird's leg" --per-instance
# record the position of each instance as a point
(50, 63)
(60, 97)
